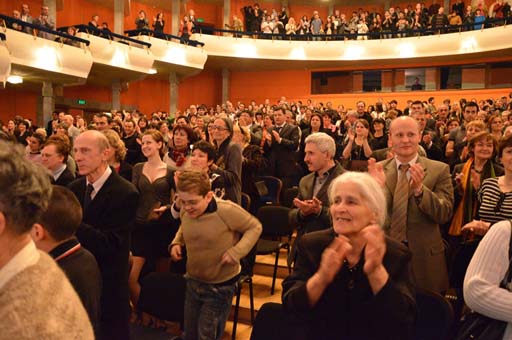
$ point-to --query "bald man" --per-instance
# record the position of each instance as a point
(108, 203)
(429, 203)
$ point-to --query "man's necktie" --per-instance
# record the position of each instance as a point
(400, 201)
(87, 197)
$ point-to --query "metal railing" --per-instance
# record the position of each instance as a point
(9, 21)
(106, 34)
(381, 34)
(163, 36)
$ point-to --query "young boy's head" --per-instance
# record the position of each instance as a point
(59, 222)
(194, 192)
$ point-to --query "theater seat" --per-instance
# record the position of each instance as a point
(163, 295)
(434, 318)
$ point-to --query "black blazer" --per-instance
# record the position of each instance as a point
(348, 309)
(283, 156)
(65, 178)
(105, 232)
(82, 271)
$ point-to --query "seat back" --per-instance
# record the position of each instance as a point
(273, 323)
(275, 221)
(434, 318)
(246, 201)
(274, 186)
(163, 295)
(288, 196)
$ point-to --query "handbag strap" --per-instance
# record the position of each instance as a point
(508, 274)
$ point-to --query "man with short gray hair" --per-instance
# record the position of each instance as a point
(109, 203)
(36, 299)
(312, 204)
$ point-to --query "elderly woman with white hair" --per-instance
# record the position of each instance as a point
(351, 281)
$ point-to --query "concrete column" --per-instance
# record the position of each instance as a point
(330, 9)
(116, 95)
(173, 94)
(357, 82)
(227, 12)
(119, 16)
(399, 80)
(387, 5)
(48, 104)
(52, 10)
(387, 81)
(175, 17)
(447, 7)
(431, 78)
(225, 85)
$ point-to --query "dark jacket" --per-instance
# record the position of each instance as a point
(105, 231)
(348, 309)
(229, 162)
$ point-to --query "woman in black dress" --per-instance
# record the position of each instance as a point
(154, 227)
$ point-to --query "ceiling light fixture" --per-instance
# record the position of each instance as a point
(15, 80)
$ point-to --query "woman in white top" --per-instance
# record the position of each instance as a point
(482, 291)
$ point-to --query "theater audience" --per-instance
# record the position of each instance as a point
(212, 267)
(253, 163)
(109, 204)
(419, 196)
(351, 281)
(35, 144)
(483, 291)
(54, 157)
(36, 298)
(311, 212)
(54, 233)
(178, 156)
(468, 178)
(228, 160)
(153, 228)
(117, 154)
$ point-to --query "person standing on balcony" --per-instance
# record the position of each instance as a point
(45, 21)
(25, 17)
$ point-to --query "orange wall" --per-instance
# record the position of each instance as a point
(18, 102)
(205, 88)
(149, 95)
(245, 86)
(80, 12)
(88, 92)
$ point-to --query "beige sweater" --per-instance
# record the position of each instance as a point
(230, 228)
(40, 303)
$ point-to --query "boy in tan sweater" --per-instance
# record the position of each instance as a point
(217, 235)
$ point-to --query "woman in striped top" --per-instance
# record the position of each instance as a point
(495, 195)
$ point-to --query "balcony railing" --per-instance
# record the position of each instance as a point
(164, 36)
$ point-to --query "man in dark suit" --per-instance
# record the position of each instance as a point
(109, 203)
(427, 202)
(55, 234)
(54, 157)
(312, 204)
(282, 146)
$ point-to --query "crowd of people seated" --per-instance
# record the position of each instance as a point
(363, 24)
(391, 192)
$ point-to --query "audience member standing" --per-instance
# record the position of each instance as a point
(109, 204)
(36, 299)
(55, 234)
(282, 144)
(228, 162)
(153, 230)
(45, 21)
(419, 193)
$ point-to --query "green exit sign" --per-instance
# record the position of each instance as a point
(81, 101)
